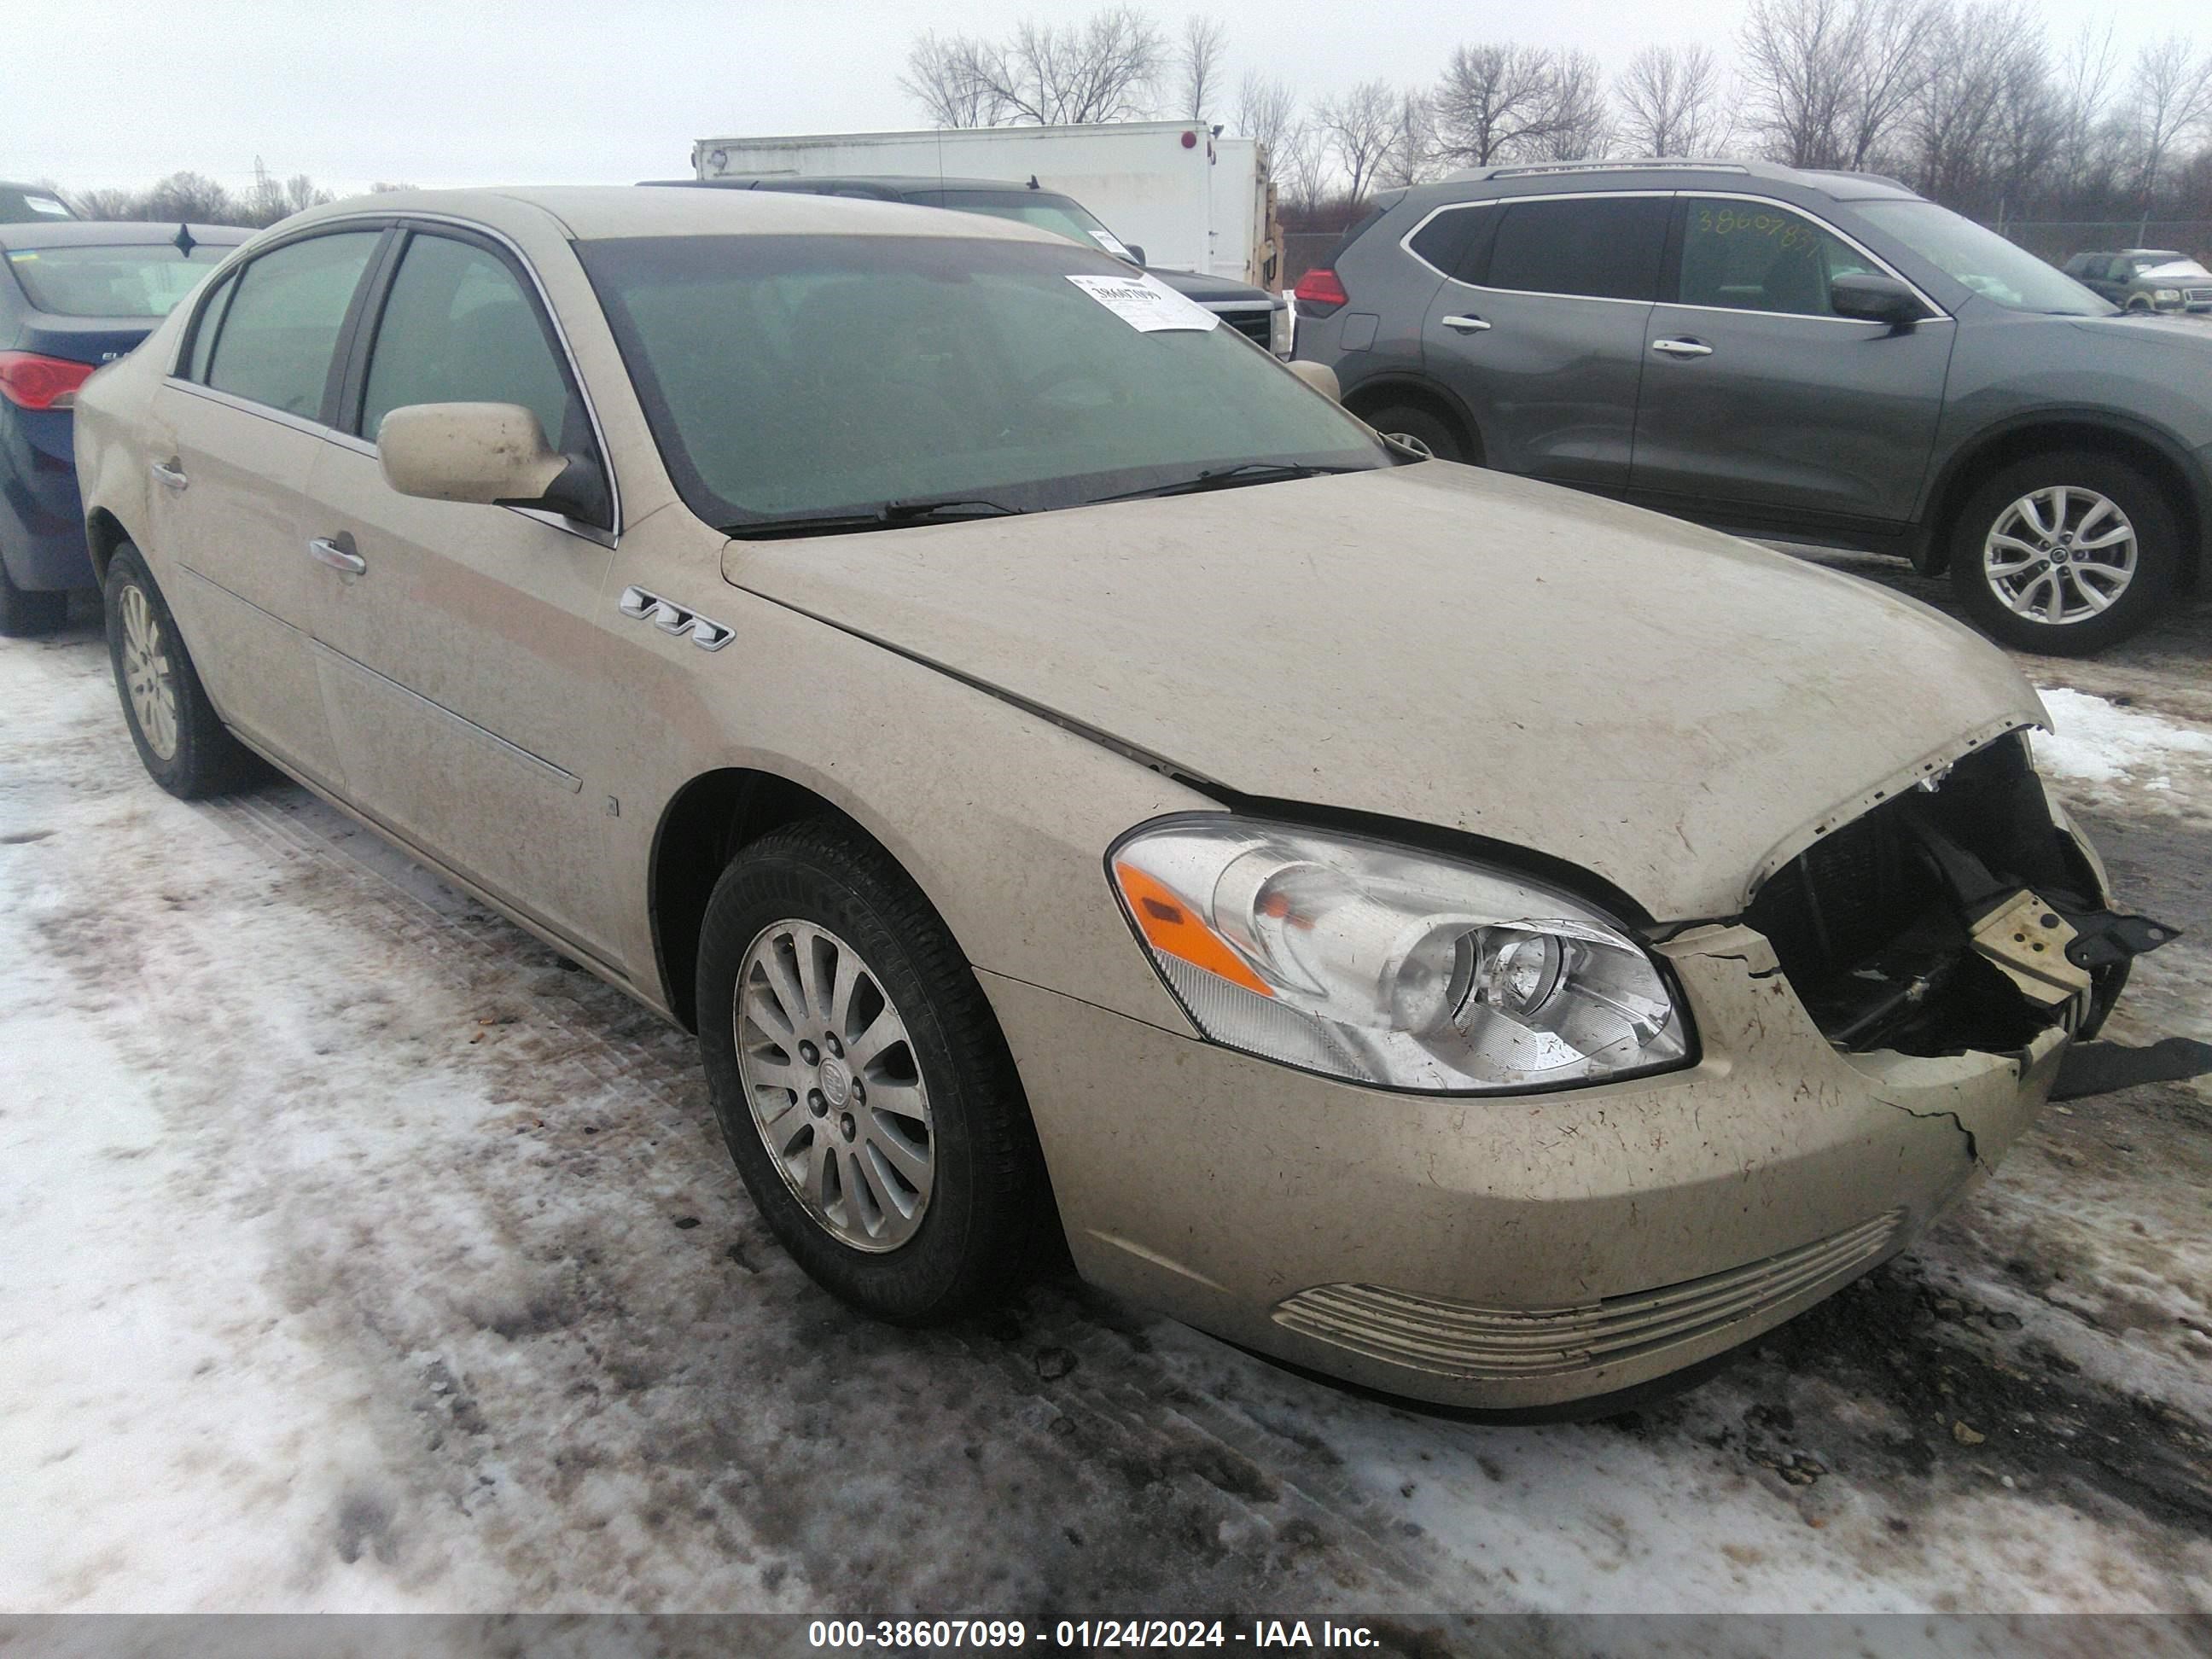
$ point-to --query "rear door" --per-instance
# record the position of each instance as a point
(461, 643)
(1760, 405)
(1539, 330)
(244, 418)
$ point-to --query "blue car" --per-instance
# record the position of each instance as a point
(74, 294)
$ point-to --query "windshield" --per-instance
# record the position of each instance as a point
(19, 206)
(818, 375)
(1983, 260)
(1061, 214)
(111, 280)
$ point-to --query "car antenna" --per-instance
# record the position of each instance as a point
(186, 242)
(1033, 183)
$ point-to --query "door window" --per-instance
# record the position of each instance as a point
(458, 328)
(1755, 256)
(1606, 247)
(284, 314)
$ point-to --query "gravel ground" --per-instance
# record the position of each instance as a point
(357, 1255)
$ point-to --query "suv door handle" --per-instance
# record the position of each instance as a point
(1683, 347)
(337, 555)
(1465, 325)
(168, 473)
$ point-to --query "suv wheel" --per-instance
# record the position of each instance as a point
(860, 1081)
(2065, 553)
(185, 747)
(1421, 428)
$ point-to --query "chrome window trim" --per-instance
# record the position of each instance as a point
(386, 218)
(248, 406)
(1937, 315)
(1405, 241)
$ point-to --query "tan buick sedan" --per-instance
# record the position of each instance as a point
(1462, 937)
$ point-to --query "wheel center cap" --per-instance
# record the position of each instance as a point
(836, 1080)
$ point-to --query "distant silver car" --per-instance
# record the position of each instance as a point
(1444, 931)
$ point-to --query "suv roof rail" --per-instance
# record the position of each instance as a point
(1664, 164)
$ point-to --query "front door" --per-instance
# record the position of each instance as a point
(462, 644)
(1760, 405)
(244, 419)
(1543, 339)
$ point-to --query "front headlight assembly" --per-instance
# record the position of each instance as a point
(1389, 966)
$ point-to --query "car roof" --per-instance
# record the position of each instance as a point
(598, 212)
(1687, 173)
(114, 232)
(891, 184)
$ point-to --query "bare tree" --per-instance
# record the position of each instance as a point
(1200, 58)
(944, 76)
(1266, 108)
(1493, 102)
(2085, 98)
(1413, 156)
(1830, 80)
(1360, 127)
(1104, 69)
(2172, 95)
(188, 196)
(1673, 103)
(302, 193)
(1578, 125)
(1302, 164)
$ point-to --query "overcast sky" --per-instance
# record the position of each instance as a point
(97, 93)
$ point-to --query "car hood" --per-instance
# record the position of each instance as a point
(1674, 710)
(1213, 290)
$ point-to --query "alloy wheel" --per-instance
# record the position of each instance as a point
(2060, 554)
(148, 676)
(830, 1077)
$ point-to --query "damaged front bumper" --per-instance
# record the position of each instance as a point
(1514, 1252)
(1888, 1016)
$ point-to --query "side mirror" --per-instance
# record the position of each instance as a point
(493, 453)
(1321, 378)
(1136, 251)
(1870, 298)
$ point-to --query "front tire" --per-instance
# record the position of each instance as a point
(183, 742)
(2065, 553)
(860, 1080)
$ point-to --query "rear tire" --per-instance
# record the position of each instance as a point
(2065, 553)
(901, 1171)
(24, 612)
(1427, 429)
(184, 744)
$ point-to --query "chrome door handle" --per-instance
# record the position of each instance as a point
(169, 474)
(1465, 325)
(1683, 347)
(336, 556)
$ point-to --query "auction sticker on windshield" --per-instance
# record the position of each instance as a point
(1145, 303)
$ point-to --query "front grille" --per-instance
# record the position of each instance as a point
(1457, 1338)
(1252, 325)
(2197, 296)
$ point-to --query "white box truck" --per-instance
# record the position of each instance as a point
(1192, 201)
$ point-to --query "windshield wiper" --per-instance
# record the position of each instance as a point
(1230, 478)
(892, 515)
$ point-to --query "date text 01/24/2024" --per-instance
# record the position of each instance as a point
(1293, 1635)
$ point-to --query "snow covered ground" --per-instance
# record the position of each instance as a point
(357, 1255)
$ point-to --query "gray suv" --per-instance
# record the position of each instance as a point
(1808, 356)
